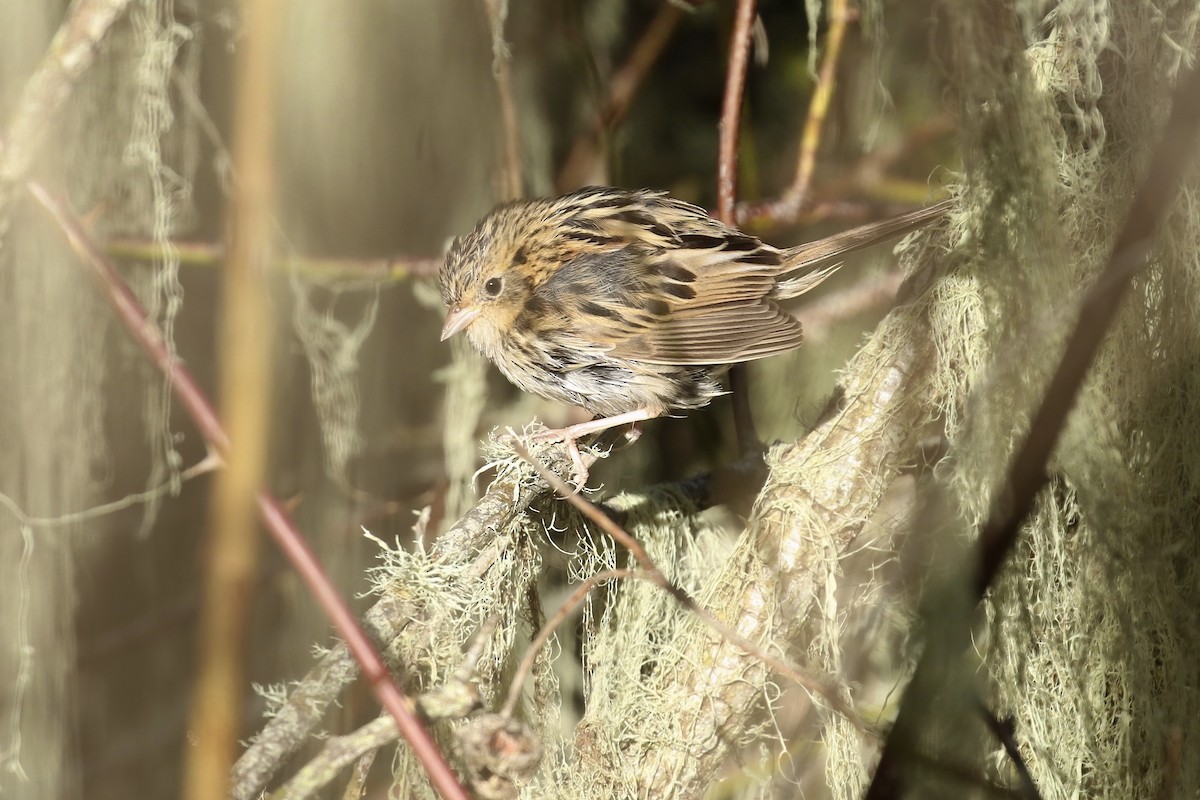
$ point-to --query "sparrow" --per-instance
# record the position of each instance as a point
(630, 303)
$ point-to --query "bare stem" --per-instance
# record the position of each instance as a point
(209, 254)
(727, 177)
(731, 111)
(244, 357)
(621, 90)
(818, 108)
(502, 71)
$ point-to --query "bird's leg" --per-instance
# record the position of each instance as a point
(594, 426)
(571, 435)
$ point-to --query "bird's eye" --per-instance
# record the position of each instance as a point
(493, 286)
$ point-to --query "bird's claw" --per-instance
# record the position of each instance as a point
(580, 472)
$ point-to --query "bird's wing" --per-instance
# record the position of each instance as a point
(651, 278)
(663, 283)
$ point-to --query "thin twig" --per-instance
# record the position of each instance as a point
(277, 521)
(44, 95)
(335, 755)
(867, 176)
(208, 254)
(547, 630)
(621, 90)
(818, 108)
(810, 142)
(205, 465)
(727, 178)
(502, 71)
(129, 310)
(356, 787)
(656, 576)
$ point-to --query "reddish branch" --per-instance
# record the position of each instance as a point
(731, 111)
(727, 174)
(1028, 473)
(277, 521)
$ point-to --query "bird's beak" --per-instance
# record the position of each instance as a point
(457, 319)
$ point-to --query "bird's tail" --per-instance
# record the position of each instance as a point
(805, 267)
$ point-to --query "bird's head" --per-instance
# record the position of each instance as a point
(485, 281)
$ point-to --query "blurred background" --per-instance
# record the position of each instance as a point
(398, 124)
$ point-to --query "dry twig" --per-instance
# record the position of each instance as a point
(497, 10)
(621, 90)
(376, 271)
(69, 57)
(791, 202)
(727, 177)
(525, 667)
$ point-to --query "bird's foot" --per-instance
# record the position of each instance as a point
(571, 435)
(580, 472)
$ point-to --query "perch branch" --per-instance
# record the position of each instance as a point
(830, 482)
(472, 546)
(653, 574)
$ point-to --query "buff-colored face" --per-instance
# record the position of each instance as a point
(482, 282)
